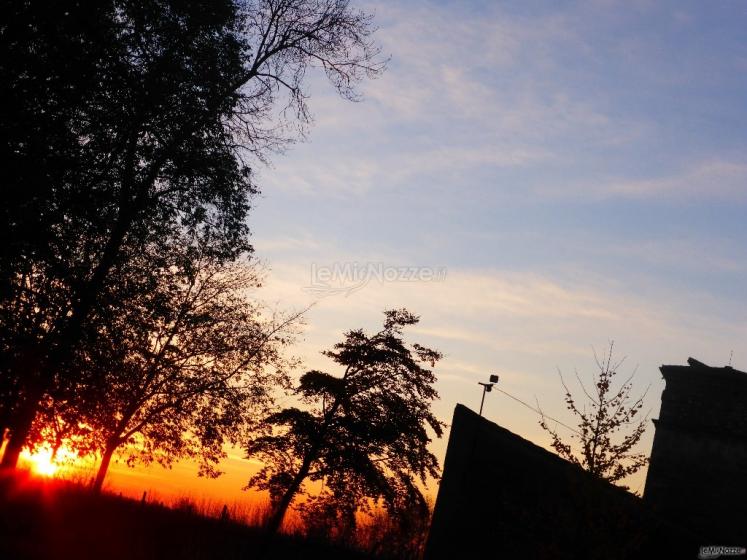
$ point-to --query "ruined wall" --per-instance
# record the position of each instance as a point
(501, 496)
(698, 470)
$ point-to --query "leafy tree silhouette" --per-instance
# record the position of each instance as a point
(195, 376)
(364, 435)
(195, 362)
(608, 429)
(127, 124)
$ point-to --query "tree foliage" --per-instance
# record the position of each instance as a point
(201, 375)
(362, 435)
(609, 425)
(193, 365)
(128, 126)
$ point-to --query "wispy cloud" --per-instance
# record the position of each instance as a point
(555, 157)
(712, 179)
(467, 92)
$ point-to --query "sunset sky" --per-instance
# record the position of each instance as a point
(577, 168)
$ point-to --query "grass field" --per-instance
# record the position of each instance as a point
(55, 519)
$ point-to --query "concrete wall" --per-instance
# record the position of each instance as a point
(501, 496)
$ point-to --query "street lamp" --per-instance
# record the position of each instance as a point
(486, 388)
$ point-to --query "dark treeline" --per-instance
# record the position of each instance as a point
(129, 322)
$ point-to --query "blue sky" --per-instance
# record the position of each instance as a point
(577, 167)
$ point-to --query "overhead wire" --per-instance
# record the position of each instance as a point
(539, 412)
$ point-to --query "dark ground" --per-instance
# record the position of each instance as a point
(48, 519)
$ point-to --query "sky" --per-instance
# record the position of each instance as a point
(535, 180)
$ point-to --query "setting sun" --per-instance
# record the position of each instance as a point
(41, 462)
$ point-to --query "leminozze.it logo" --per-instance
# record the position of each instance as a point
(707, 552)
(348, 277)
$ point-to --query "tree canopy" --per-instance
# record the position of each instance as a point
(128, 127)
(202, 368)
(363, 434)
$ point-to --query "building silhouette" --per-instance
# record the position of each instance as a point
(698, 470)
(502, 496)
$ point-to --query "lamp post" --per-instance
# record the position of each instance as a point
(486, 388)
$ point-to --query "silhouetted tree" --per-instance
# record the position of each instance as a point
(364, 435)
(24, 321)
(126, 124)
(192, 374)
(608, 427)
(58, 425)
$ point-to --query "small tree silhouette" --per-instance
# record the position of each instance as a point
(363, 435)
(609, 425)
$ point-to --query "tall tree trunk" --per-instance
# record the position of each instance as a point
(279, 512)
(56, 448)
(106, 458)
(16, 442)
(19, 433)
(21, 426)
